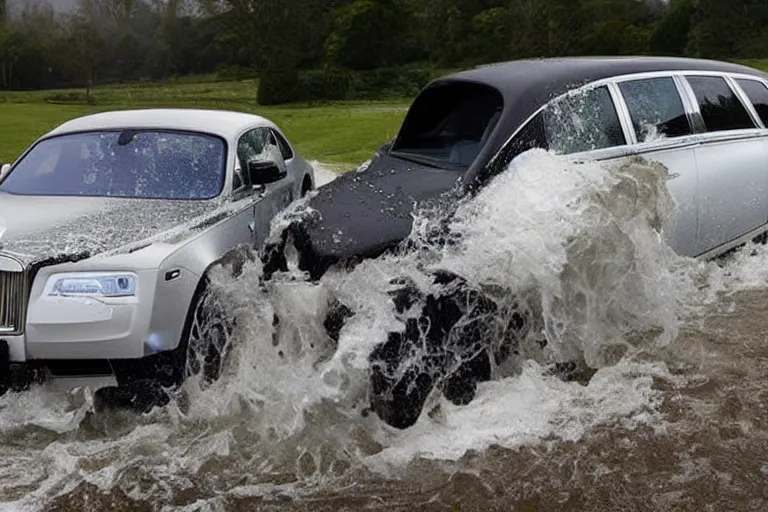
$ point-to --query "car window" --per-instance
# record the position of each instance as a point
(252, 144)
(757, 93)
(720, 107)
(585, 121)
(656, 108)
(285, 148)
(149, 164)
(448, 124)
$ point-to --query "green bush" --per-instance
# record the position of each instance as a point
(326, 84)
(276, 87)
(403, 81)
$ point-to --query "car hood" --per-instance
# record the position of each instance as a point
(364, 212)
(34, 228)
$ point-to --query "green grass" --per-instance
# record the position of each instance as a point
(344, 133)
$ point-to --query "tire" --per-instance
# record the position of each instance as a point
(206, 339)
(143, 384)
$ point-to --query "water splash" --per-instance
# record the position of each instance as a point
(578, 244)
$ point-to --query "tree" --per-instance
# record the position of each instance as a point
(671, 34)
(365, 34)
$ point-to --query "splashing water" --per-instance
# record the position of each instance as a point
(577, 245)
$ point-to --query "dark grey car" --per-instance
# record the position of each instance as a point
(705, 121)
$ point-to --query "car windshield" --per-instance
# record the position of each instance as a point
(146, 164)
(449, 124)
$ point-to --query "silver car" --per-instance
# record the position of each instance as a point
(108, 227)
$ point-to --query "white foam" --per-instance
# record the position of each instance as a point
(578, 243)
(527, 409)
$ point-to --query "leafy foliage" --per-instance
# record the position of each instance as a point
(351, 48)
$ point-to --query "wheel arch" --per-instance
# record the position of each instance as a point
(174, 299)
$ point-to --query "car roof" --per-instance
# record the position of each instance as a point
(527, 85)
(224, 123)
(549, 73)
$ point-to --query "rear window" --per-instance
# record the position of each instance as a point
(720, 107)
(448, 124)
(757, 93)
(584, 121)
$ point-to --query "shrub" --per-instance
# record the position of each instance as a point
(403, 81)
(276, 87)
(326, 84)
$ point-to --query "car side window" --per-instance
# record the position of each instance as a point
(720, 108)
(757, 92)
(251, 144)
(656, 108)
(584, 121)
(285, 148)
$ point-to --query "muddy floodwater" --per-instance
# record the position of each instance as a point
(673, 415)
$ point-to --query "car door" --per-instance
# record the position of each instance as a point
(259, 144)
(295, 171)
(662, 131)
(243, 191)
(755, 93)
(655, 125)
(732, 164)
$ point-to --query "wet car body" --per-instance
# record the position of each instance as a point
(705, 121)
(110, 225)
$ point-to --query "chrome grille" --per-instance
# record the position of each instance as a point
(12, 301)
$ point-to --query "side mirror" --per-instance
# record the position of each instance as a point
(264, 172)
(4, 170)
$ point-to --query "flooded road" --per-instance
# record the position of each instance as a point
(674, 418)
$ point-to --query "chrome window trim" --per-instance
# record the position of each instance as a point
(622, 110)
(690, 103)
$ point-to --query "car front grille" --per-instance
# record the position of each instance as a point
(13, 290)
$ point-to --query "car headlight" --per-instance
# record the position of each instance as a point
(93, 285)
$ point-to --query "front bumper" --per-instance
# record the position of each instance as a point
(66, 374)
(84, 329)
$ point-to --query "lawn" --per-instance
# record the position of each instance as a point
(344, 133)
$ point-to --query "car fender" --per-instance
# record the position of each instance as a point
(183, 273)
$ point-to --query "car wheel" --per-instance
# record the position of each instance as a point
(143, 384)
(207, 338)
